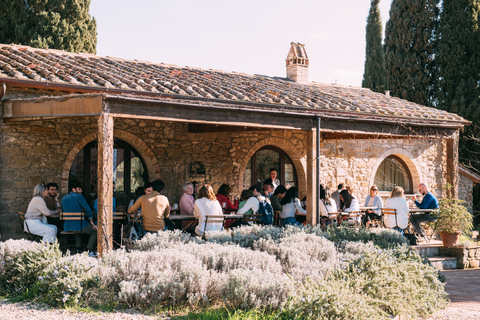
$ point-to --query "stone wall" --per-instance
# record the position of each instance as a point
(355, 162)
(467, 257)
(42, 151)
(465, 191)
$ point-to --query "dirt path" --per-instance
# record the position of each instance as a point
(463, 287)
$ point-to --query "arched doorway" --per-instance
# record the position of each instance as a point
(391, 172)
(129, 171)
(266, 158)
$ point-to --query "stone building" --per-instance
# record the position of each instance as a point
(72, 116)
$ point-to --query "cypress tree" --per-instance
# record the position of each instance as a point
(458, 68)
(374, 76)
(55, 24)
(409, 49)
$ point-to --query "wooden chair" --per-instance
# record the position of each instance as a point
(120, 216)
(69, 216)
(389, 211)
(354, 216)
(30, 236)
(213, 218)
(277, 218)
(72, 216)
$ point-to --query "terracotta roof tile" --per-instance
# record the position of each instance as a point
(55, 66)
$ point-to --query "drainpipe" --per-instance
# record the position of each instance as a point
(318, 170)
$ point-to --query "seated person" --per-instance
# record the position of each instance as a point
(429, 201)
(290, 205)
(186, 200)
(397, 201)
(327, 200)
(148, 187)
(155, 208)
(250, 208)
(373, 200)
(75, 202)
(206, 204)
(140, 191)
(37, 213)
(349, 203)
(327, 205)
(277, 197)
(223, 197)
(95, 207)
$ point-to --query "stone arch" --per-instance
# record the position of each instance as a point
(147, 154)
(407, 158)
(298, 158)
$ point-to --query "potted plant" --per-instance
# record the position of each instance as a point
(452, 219)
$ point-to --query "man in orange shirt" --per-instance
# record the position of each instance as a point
(155, 208)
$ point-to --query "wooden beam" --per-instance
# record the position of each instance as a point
(311, 178)
(105, 184)
(201, 114)
(452, 163)
(53, 107)
(204, 127)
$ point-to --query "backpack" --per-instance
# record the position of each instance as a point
(266, 210)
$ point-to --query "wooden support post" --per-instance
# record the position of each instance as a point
(311, 178)
(105, 184)
(452, 163)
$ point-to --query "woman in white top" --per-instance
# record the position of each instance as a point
(373, 200)
(397, 201)
(36, 215)
(327, 205)
(348, 202)
(207, 204)
(328, 201)
(290, 205)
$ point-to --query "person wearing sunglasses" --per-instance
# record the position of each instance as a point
(373, 200)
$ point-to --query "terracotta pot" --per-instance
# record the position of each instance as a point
(449, 239)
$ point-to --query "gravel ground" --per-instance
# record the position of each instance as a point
(30, 311)
(451, 313)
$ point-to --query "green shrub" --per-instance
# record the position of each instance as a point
(257, 289)
(22, 267)
(384, 238)
(380, 282)
(68, 279)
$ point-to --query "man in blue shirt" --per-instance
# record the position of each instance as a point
(75, 202)
(429, 201)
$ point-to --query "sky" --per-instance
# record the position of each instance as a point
(249, 36)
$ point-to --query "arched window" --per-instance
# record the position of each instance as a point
(129, 171)
(258, 168)
(393, 172)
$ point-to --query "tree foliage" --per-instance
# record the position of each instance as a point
(55, 24)
(409, 49)
(458, 67)
(374, 76)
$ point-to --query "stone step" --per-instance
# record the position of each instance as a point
(443, 263)
(427, 250)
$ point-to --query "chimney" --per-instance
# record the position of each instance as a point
(297, 63)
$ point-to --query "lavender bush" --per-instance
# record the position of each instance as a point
(292, 273)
